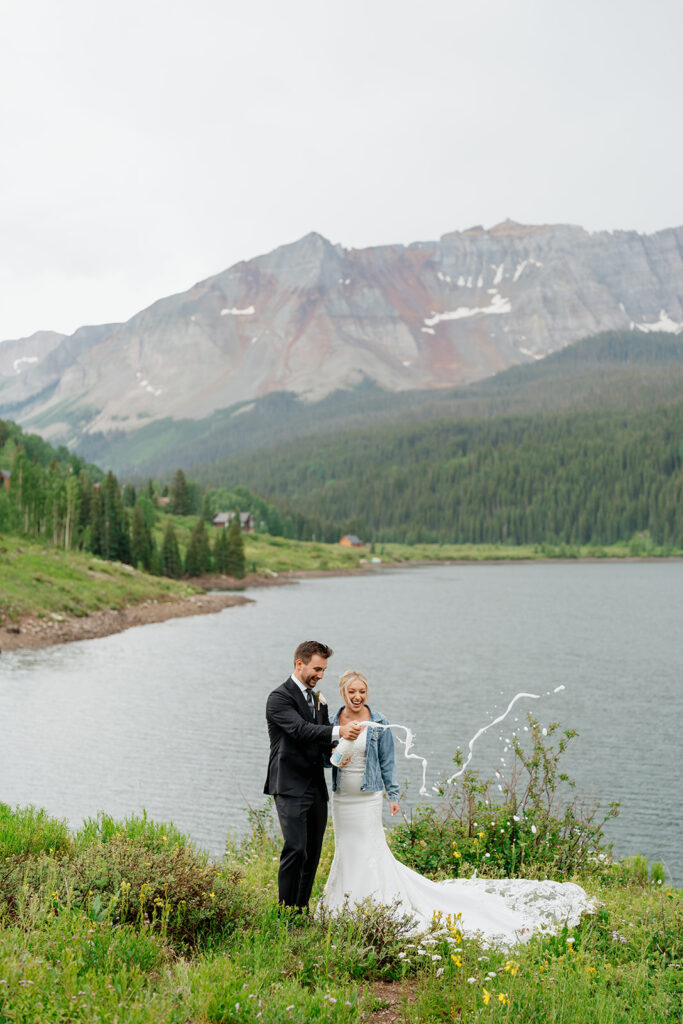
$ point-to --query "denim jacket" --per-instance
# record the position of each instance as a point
(380, 759)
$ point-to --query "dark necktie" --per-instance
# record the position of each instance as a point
(311, 705)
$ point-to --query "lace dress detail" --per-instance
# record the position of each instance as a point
(500, 911)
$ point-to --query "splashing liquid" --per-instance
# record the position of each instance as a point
(410, 738)
(485, 728)
(408, 743)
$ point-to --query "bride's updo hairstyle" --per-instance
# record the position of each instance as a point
(348, 677)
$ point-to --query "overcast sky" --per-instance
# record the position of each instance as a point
(147, 144)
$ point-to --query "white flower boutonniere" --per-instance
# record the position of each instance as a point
(320, 701)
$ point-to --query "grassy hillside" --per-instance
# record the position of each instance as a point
(40, 581)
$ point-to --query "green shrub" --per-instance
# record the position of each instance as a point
(153, 835)
(29, 831)
(509, 827)
(176, 892)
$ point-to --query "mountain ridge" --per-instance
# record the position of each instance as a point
(312, 317)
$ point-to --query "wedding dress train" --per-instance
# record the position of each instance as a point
(502, 911)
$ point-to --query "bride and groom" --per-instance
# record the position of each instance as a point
(301, 738)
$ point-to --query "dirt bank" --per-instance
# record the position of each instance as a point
(31, 632)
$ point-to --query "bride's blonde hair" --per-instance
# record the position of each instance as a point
(348, 677)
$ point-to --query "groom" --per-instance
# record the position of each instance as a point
(301, 738)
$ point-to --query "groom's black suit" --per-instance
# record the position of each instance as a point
(298, 747)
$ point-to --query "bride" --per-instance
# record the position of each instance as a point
(503, 911)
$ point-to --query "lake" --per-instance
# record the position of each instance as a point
(170, 717)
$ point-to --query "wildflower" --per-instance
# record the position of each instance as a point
(471, 981)
(457, 854)
(590, 970)
(534, 829)
(439, 972)
(511, 967)
(503, 998)
(165, 839)
(481, 834)
(487, 996)
(212, 895)
(456, 960)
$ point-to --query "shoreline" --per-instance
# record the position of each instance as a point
(219, 592)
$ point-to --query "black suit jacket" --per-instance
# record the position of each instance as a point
(298, 745)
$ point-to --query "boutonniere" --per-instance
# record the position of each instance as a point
(320, 701)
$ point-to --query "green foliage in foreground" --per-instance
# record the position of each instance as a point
(128, 922)
(537, 828)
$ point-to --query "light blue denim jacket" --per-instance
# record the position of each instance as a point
(380, 759)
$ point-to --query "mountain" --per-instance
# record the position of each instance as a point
(311, 318)
(624, 370)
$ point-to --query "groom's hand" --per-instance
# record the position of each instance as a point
(351, 731)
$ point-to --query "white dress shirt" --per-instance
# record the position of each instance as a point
(305, 689)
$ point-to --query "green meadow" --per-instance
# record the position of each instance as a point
(128, 922)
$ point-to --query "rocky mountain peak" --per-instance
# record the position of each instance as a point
(311, 316)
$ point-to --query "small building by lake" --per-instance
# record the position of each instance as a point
(349, 540)
(247, 521)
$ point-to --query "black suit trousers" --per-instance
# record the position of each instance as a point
(303, 820)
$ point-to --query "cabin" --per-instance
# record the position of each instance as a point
(247, 521)
(162, 502)
(349, 540)
(4, 478)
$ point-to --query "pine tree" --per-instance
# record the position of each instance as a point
(198, 555)
(220, 551)
(171, 563)
(181, 501)
(235, 563)
(141, 540)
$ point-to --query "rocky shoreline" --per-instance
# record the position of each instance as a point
(32, 632)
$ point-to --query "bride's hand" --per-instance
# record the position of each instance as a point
(346, 760)
(394, 807)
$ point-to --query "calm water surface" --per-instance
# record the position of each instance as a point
(170, 717)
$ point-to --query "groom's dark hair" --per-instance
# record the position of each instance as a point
(308, 648)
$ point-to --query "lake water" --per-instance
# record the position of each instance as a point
(170, 717)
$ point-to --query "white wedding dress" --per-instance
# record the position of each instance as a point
(501, 911)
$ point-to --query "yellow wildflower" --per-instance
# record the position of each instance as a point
(457, 853)
(511, 967)
(456, 960)
(487, 996)
(503, 998)
(590, 970)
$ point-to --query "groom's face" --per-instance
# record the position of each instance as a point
(310, 674)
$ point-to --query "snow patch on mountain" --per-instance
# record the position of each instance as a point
(665, 323)
(24, 359)
(499, 304)
(521, 267)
